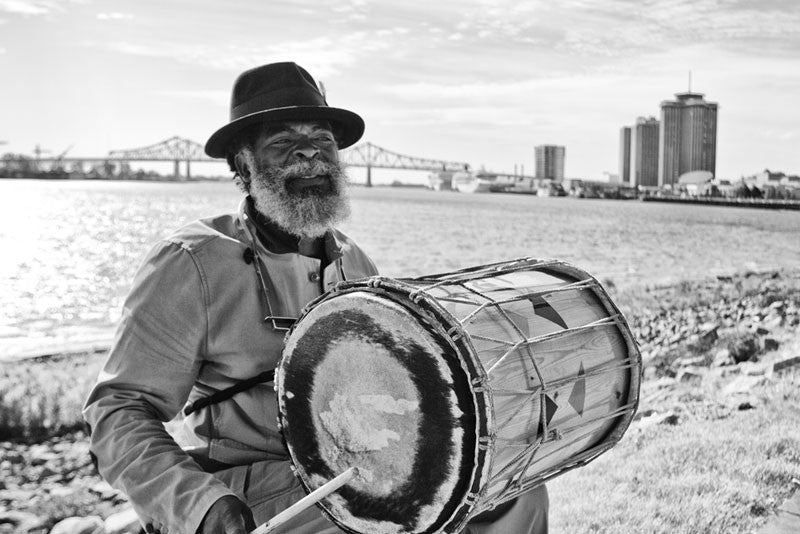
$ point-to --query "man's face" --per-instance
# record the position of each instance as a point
(296, 178)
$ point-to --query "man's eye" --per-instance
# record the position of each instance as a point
(323, 139)
(280, 142)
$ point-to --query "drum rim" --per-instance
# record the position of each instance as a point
(423, 305)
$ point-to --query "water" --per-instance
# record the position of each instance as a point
(70, 249)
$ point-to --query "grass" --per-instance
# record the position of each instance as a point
(43, 398)
(700, 476)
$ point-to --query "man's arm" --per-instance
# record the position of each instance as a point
(149, 373)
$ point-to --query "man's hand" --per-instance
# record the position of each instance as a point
(228, 515)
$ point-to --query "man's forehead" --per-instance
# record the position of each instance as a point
(275, 127)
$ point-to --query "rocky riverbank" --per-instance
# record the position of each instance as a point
(707, 347)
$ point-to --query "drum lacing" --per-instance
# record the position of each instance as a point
(416, 296)
(478, 384)
(485, 442)
(454, 333)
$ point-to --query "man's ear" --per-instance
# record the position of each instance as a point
(242, 168)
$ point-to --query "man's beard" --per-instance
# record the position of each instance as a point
(303, 211)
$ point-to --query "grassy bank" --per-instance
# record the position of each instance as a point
(704, 475)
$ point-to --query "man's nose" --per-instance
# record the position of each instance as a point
(305, 150)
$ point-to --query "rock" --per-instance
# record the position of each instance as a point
(778, 305)
(690, 361)
(745, 405)
(92, 524)
(753, 368)
(743, 348)
(722, 358)
(666, 418)
(690, 375)
(20, 521)
(708, 332)
(769, 344)
(124, 522)
(16, 495)
(105, 491)
(63, 491)
(14, 457)
(744, 384)
(786, 363)
(46, 472)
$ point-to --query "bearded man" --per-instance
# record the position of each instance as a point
(203, 327)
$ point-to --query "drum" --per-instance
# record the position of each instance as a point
(453, 393)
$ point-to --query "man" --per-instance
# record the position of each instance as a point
(203, 326)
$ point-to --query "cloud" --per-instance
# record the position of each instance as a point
(622, 28)
(34, 7)
(114, 16)
(324, 56)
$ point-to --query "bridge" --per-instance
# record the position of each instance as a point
(177, 150)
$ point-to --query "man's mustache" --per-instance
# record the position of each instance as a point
(305, 169)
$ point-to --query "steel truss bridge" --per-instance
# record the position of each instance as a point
(177, 149)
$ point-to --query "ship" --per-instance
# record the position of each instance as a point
(473, 182)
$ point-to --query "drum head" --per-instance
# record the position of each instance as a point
(365, 382)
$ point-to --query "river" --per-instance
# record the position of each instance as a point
(70, 248)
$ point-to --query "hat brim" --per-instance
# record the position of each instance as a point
(349, 126)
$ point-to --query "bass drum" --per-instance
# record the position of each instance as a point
(453, 393)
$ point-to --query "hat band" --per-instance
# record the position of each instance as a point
(282, 98)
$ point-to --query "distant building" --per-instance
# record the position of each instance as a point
(644, 152)
(625, 154)
(550, 162)
(687, 137)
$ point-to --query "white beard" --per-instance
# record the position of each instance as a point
(309, 212)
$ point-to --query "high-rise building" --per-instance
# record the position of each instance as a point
(550, 162)
(625, 154)
(644, 152)
(687, 137)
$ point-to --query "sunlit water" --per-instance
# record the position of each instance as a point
(70, 249)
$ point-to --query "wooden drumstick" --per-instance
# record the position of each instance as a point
(310, 499)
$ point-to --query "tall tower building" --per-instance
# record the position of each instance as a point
(644, 152)
(550, 162)
(687, 137)
(625, 155)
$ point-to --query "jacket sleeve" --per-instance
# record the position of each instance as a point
(149, 373)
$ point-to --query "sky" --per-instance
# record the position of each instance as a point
(478, 81)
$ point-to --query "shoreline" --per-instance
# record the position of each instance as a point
(773, 204)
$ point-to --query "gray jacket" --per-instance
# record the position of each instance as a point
(193, 325)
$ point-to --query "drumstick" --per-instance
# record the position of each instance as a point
(312, 498)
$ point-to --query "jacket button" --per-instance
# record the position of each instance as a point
(313, 276)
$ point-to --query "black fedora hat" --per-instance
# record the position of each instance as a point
(281, 92)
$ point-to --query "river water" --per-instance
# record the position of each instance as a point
(70, 248)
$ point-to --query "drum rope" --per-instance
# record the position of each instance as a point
(485, 271)
(574, 286)
(620, 410)
(606, 321)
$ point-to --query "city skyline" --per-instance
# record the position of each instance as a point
(477, 81)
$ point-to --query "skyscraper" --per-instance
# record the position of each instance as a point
(550, 162)
(644, 152)
(687, 137)
(625, 155)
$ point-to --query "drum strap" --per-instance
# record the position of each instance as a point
(227, 393)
